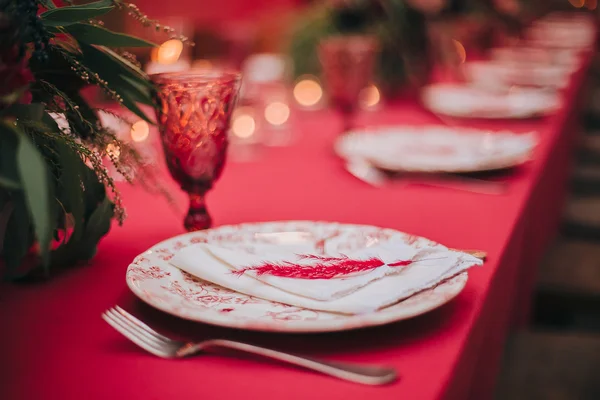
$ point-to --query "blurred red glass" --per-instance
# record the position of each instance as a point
(194, 114)
(347, 63)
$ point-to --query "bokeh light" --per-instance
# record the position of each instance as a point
(113, 150)
(369, 97)
(243, 124)
(591, 4)
(460, 50)
(308, 91)
(168, 52)
(277, 113)
(577, 3)
(140, 131)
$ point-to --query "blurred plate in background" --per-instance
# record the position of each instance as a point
(436, 148)
(459, 100)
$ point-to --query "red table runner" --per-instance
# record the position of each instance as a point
(55, 345)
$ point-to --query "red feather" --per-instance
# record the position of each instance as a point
(331, 267)
(402, 263)
(321, 258)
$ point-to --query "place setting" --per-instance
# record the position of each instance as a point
(445, 155)
(522, 81)
(497, 74)
(460, 100)
(563, 31)
(526, 53)
(441, 156)
(309, 193)
(298, 276)
(295, 277)
(280, 277)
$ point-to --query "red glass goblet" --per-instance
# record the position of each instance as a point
(193, 117)
(347, 65)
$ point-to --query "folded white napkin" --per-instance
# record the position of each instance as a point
(403, 271)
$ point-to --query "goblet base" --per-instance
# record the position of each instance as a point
(197, 217)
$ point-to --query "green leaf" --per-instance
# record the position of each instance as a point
(97, 226)
(137, 91)
(49, 4)
(84, 248)
(29, 112)
(94, 192)
(6, 211)
(131, 84)
(130, 104)
(71, 185)
(9, 176)
(56, 71)
(80, 246)
(50, 122)
(18, 238)
(68, 15)
(8, 183)
(103, 56)
(84, 109)
(14, 95)
(91, 34)
(33, 173)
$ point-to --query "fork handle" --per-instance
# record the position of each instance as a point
(364, 374)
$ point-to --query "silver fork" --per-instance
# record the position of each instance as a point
(162, 346)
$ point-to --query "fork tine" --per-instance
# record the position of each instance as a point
(141, 325)
(137, 330)
(125, 331)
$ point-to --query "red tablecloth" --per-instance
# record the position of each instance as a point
(55, 346)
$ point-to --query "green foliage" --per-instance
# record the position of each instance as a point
(53, 182)
(315, 25)
(34, 178)
(19, 236)
(68, 15)
(92, 34)
(401, 32)
(404, 56)
(124, 78)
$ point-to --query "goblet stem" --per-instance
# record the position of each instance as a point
(197, 217)
(347, 113)
(348, 122)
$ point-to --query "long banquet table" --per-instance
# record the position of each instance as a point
(55, 345)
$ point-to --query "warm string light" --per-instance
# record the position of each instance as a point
(113, 151)
(460, 50)
(577, 3)
(243, 124)
(308, 91)
(277, 113)
(168, 52)
(140, 131)
(369, 97)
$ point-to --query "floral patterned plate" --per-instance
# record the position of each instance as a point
(437, 148)
(167, 288)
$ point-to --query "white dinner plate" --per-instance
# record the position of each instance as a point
(436, 148)
(504, 75)
(464, 101)
(167, 288)
(559, 32)
(535, 56)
